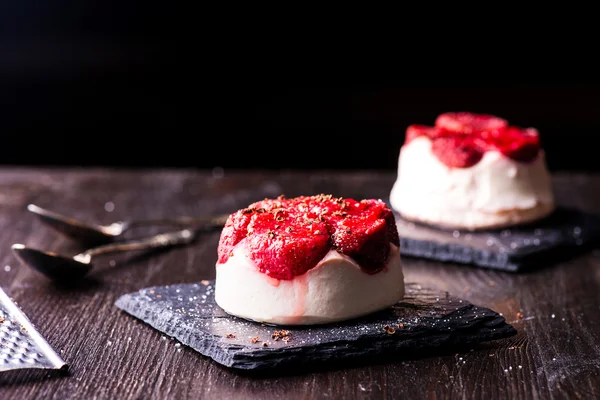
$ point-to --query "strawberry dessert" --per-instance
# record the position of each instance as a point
(472, 171)
(309, 260)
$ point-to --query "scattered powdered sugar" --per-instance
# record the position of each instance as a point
(189, 313)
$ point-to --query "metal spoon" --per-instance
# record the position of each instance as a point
(92, 234)
(65, 268)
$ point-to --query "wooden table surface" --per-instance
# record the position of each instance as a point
(556, 353)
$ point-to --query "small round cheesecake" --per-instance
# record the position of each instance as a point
(472, 172)
(309, 260)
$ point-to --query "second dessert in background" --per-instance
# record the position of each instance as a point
(472, 172)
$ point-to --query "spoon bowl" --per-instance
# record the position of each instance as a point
(79, 230)
(54, 266)
(94, 234)
(64, 268)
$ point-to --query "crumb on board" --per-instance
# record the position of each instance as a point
(158, 296)
(520, 315)
(491, 355)
(204, 282)
(255, 339)
(151, 292)
(1, 320)
(401, 325)
(265, 344)
(230, 336)
(389, 329)
(282, 334)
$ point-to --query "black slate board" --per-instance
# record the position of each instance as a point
(432, 322)
(564, 234)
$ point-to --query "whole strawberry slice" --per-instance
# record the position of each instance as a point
(415, 131)
(516, 143)
(363, 238)
(287, 237)
(458, 151)
(468, 123)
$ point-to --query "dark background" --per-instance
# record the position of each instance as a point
(120, 84)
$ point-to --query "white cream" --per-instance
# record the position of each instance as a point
(336, 289)
(497, 191)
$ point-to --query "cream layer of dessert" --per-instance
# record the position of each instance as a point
(309, 260)
(472, 171)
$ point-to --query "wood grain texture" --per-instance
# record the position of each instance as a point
(111, 355)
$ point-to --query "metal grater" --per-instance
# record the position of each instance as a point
(21, 346)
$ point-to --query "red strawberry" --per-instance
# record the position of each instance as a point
(457, 151)
(392, 228)
(364, 238)
(287, 237)
(459, 139)
(414, 131)
(283, 252)
(233, 232)
(468, 123)
(514, 142)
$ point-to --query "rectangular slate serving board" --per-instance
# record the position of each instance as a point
(564, 234)
(425, 323)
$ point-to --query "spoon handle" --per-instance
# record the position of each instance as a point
(182, 237)
(208, 221)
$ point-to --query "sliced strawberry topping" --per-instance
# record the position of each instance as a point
(392, 229)
(414, 131)
(287, 237)
(460, 139)
(467, 123)
(233, 232)
(284, 252)
(457, 151)
(514, 142)
(363, 238)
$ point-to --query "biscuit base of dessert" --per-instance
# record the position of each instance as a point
(337, 289)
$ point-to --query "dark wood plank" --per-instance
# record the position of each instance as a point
(111, 355)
